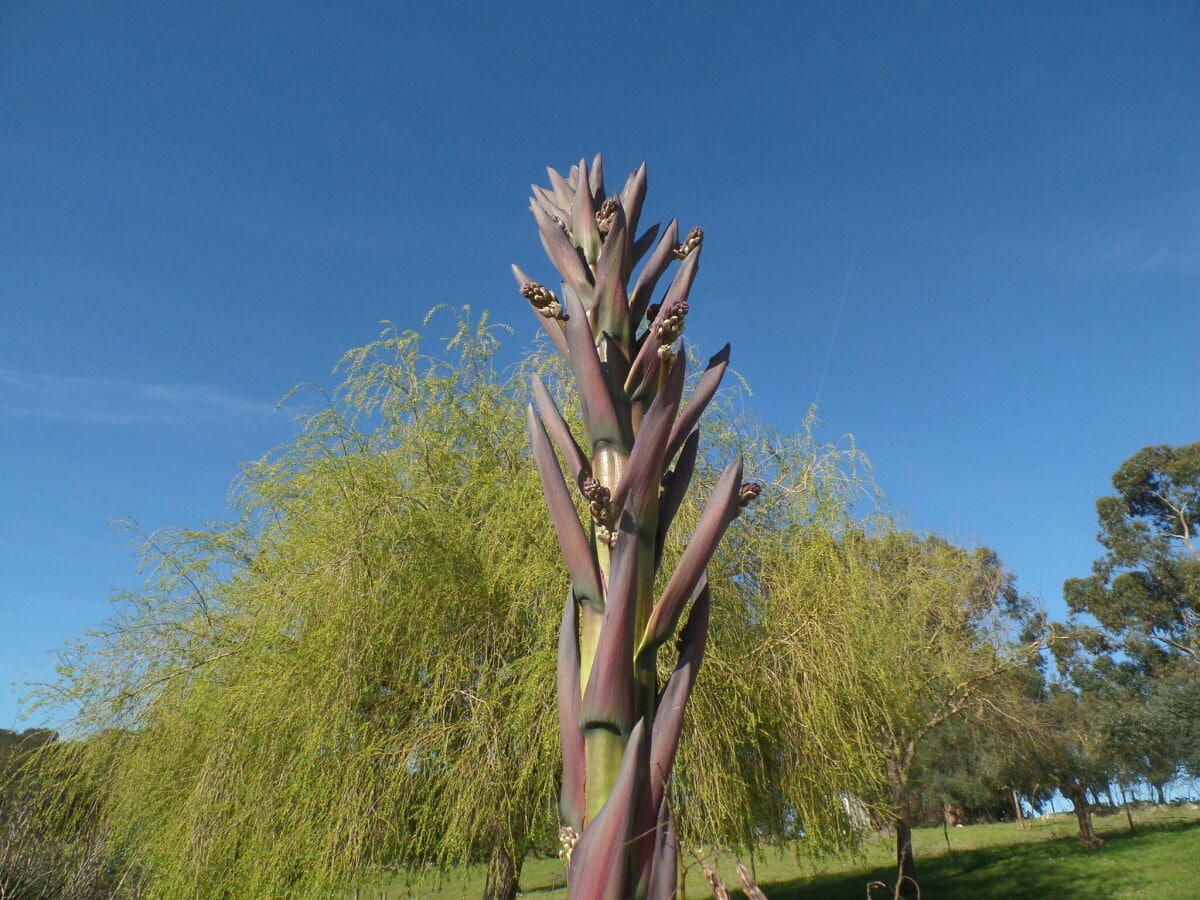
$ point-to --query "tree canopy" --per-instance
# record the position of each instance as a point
(358, 670)
(1145, 590)
(931, 632)
(355, 668)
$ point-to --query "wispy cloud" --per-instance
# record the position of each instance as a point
(1138, 253)
(108, 401)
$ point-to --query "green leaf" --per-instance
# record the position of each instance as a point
(600, 862)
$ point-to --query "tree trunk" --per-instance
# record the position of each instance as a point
(503, 875)
(1125, 804)
(1083, 813)
(906, 866)
(1161, 797)
(1017, 806)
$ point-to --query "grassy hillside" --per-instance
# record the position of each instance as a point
(1160, 860)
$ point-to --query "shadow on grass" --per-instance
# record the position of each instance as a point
(1057, 868)
(543, 889)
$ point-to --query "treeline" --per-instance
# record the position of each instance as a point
(358, 670)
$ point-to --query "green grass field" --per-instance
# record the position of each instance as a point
(1160, 860)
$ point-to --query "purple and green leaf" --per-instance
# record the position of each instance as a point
(552, 327)
(719, 511)
(583, 218)
(698, 402)
(560, 433)
(600, 417)
(572, 802)
(612, 301)
(582, 566)
(643, 473)
(674, 489)
(647, 280)
(668, 718)
(563, 254)
(600, 862)
(609, 699)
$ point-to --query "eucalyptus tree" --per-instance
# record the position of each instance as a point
(1145, 589)
(1142, 654)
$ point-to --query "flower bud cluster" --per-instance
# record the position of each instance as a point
(748, 493)
(543, 300)
(694, 239)
(606, 215)
(671, 325)
(568, 837)
(599, 501)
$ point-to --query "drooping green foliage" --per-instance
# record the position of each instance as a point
(769, 722)
(359, 670)
(354, 670)
(930, 632)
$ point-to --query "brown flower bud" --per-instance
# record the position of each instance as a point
(747, 493)
(594, 490)
(599, 501)
(606, 215)
(543, 300)
(694, 239)
(671, 324)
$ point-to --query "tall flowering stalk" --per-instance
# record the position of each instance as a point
(620, 728)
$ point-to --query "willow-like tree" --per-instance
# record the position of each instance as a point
(359, 670)
(931, 632)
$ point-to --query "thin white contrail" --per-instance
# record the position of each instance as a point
(837, 324)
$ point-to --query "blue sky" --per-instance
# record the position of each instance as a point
(971, 231)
